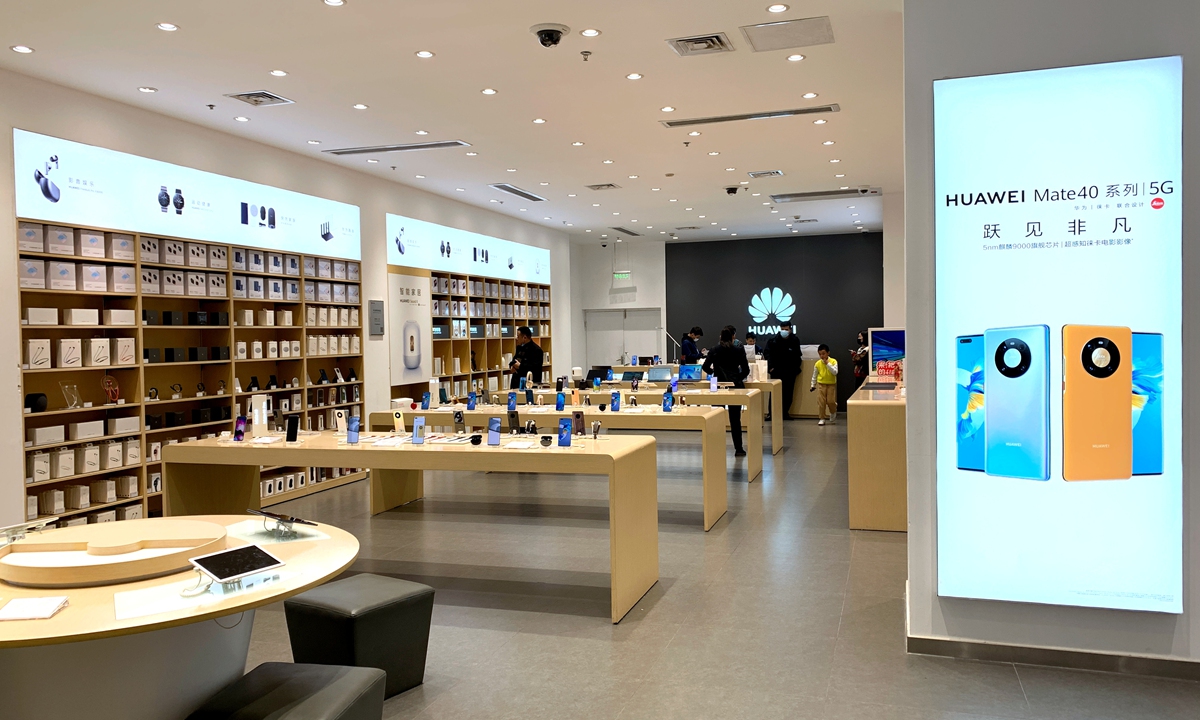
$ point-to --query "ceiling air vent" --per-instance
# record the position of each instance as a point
(261, 98)
(701, 45)
(804, 220)
(689, 227)
(604, 186)
(514, 190)
(436, 145)
(627, 231)
(760, 174)
(818, 110)
(788, 34)
(857, 192)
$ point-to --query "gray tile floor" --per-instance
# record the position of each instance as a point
(778, 612)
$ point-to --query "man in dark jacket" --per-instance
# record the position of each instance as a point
(690, 350)
(527, 359)
(783, 362)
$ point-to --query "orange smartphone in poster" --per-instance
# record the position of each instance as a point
(1097, 409)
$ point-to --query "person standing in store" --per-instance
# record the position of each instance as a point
(860, 357)
(784, 361)
(753, 351)
(527, 359)
(824, 381)
(690, 351)
(728, 363)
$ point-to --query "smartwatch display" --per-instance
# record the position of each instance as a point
(164, 198)
(178, 201)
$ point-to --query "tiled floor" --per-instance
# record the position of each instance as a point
(778, 612)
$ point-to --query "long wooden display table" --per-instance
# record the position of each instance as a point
(195, 485)
(709, 421)
(877, 460)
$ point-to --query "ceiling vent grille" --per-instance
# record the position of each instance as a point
(514, 190)
(818, 110)
(261, 98)
(604, 186)
(701, 45)
(436, 145)
(858, 192)
(688, 227)
(626, 231)
(788, 34)
(760, 174)
(804, 220)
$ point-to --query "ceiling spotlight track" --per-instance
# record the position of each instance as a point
(519, 192)
(817, 110)
(404, 147)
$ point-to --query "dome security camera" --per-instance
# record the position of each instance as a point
(603, 244)
(549, 34)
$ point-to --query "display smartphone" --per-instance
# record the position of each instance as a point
(460, 425)
(712, 383)
(293, 428)
(575, 396)
(633, 359)
(668, 401)
(425, 401)
(1017, 410)
(577, 422)
(596, 383)
(339, 420)
(656, 360)
(353, 423)
(512, 401)
(560, 401)
(494, 431)
(229, 565)
(558, 385)
(472, 398)
(609, 374)
(633, 384)
(1097, 422)
(239, 429)
(521, 386)
(969, 401)
(615, 401)
(418, 436)
(514, 422)
(1147, 367)
(528, 396)
(282, 518)
(398, 421)
(565, 428)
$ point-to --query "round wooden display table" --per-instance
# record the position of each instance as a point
(137, 649)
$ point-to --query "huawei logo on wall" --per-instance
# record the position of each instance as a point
(770, 303)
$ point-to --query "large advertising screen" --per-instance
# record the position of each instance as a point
(60, 181)
(1058, 336)
(420, 244)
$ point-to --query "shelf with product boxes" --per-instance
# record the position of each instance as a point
(159, 317)
(283, 484)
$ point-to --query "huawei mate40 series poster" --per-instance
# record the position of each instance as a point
(1059, 336)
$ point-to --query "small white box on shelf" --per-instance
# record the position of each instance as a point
(323, 317)
(266, 318)
(310, 291)
(239, 259)
(239, 351)
(353, 317)
(313, 345)
(77, 497)
(127, 486)
(256, 289)
(355, 345)
(91, 278)
(291, 290)
(310, 267)
(88, 460)
(62, 463)
(51, 502)
(31, 237)
(310, 316)
(122, 279)
(352, 294)
(344, 345)
(60, 275)
(60, 240)
(324, 292)
(295, 348)
(171, 252)
(46, 435)
(239, 286)
(85, 430)
(218, 257)
(124, 425)
(255, 260)
(70, 353)
(125, 352)
(339, 293)
(31, 507)
(291, 265)
(272, 349)
(256, 350)
(32, 274)
(323, 345)
(283, 318)
(155, 451)
(102, 517)
(197, 284)
(172, 282)
(103, 491)
(89, 243)
(266, 488)
(197, 255)
(324, 268)
(352, 271)
(113, 456)
(275, 263)
(131, 451)
(344, 317)
(151, 281)
(116, 316)
(37, 467)
(216, 285)
(285, 349)
(244, 318)
(129, 512)
(339, 270)
(154, 482)
(37, 354)
(149, 249)
(274, 289)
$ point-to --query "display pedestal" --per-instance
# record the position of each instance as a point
(877, 460)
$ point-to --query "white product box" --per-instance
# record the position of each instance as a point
(122, 279)
(344, 345)
(172, 252)
(256, 350)
(296, 348)
(37, 354)
(256, 289)
(120, 317)
(310, 317)
(218, 257)
(353, 317)
(127, 486)
(272, 349)
(155, 452)
(60, 275)
(216, 285)
(290, 481)
(172, 282)
(291, 265)
(150, 249)
(313, 345)
(81, 316)
(88, 459)
(60, 240)
(197, 255)
(128, 512)
(275, 263)
(339, 270)
(103, 491)
(310, 292)
(291, 290)
(50, 502)
(70, 353)
(355, 345)
(324, 268)
(285, 350)
(197, 284)
(113, 456)
(37, 467)
(131, 452)
(46, 435)
(119, 246)
(454, 308)
(339, 293)
(124, 425)
(310, 267)
(62, 463)
(125, 351)
(352, 294)
(31, 507)
(344, 317)
(151, 281)
(244, 318)
(324, 292)
(32, 274)
(77, 497)
(266, 318)
(255, 261)
(274, 289)
(267, 488)
(104, 516)
(352, 271)
(154, 482)
(323, 345)
(31, 237)
(85, 430)
(283, 318)
(239, 350)
(97, 352)
(89, 243)
(323, 317)
(239, 259)
(240, 286)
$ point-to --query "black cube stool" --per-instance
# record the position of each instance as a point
(365, 621)
(283, 691)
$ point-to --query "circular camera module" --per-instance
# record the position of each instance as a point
(1100, 357)
(1013, 358)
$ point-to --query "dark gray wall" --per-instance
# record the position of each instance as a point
(836, 282)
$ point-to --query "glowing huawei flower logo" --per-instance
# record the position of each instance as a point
(772, 302)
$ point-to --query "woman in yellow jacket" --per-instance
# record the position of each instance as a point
(824, 380)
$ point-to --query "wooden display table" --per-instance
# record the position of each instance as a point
(138, 650)
(709, 421)
(196, 485)
(877, 460)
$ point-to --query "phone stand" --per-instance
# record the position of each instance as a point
(282, 530)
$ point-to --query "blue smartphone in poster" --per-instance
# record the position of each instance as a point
(1147, 403)
(559, 402)
(970, 400)
(668, 401)
(512, 401)
(564, 432)
(596, 383)
(425, 401)
(609, 375)
(1017, 412)
(615, 402)
(418, 436)
(352, 425)
(472, 398)
(494, 431)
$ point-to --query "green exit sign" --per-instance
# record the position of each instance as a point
(622, 275)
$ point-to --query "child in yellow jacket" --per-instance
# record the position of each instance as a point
(824, 381)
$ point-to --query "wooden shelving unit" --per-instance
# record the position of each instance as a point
(220, 377)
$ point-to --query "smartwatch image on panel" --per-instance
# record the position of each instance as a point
(178, 201)
(164, 198)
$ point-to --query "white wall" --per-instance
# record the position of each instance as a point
(893, 259)
(954, 38)
(54, 110)
(593, 288)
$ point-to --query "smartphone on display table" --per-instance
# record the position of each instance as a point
(425, 401)
(615, 401)
(558, 385)
(418, 436)
(668, 401)
(353, 423)
(970, 400)
(239, 429)
(512, 401)
(514, 422)
(560, 401)
(282, 518)
(1017, 409)
(293, 428)
(577, 422)
(229, 565)
(1147, 367)
(472, 398)
(1097, 422)
(460, 425)
(493, 431)
(398, 421)
(565, 428)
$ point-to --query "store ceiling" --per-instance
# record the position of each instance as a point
(365, 52)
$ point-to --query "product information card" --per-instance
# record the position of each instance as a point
(1059, 320)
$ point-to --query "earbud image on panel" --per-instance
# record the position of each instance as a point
(1017, 406)
(1147, 417)
(1097, 421)
(970, 402)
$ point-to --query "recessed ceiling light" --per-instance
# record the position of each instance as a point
(633, 177)
(420, 177)
(603, 236)
(766, 203)
(694, 133)
(788, 225)
(424, 54)
(774, 211)
(701, 217)
(492, 200)
(422, 132)
(568, 225)
(460, 190)
(633, 76)
(314, 142)
(809, 95)
(827, 142)
(674, 200)
(733, 234)
(795, 58)
(472, 154)
(539, 121)
(633, 221)
(819, 122)
(668, 109)
(655, 189)
(23, 49)
(840, 175)
(724, 228)
(844, 187)
(777, 8)
(730, 169)
(545, 183)
(584, 231)
(335, 3)
(608, 162)
(359, 106)
(835, 160)
(571, 195)
(576, 143)
(523, 210)
(745, 182)
(851, 207)
(714, 152)
(616, 213)
(488, 91)
(755, 194)
(649, 227)
(168, 27)
(590, 32)
(279, 73)
(687, 208)
(858, 222)
(662, 232)
(512, 169)
(546, 218)
(147, 89)
(242, 118)
(795, 231)
(593, 205)
(853, 214)
(372, 160)
(712, 223)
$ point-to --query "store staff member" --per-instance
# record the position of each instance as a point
(690, 351)
(784, 361)
(527, 359)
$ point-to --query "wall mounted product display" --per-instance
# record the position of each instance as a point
(1059, 336)
(429, 246)
(886, 346)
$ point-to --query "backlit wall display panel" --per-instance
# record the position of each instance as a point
(1059, 319)
(59, 181)
(420, 244)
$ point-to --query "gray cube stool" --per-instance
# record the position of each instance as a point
(283, 691)
(365, 621)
